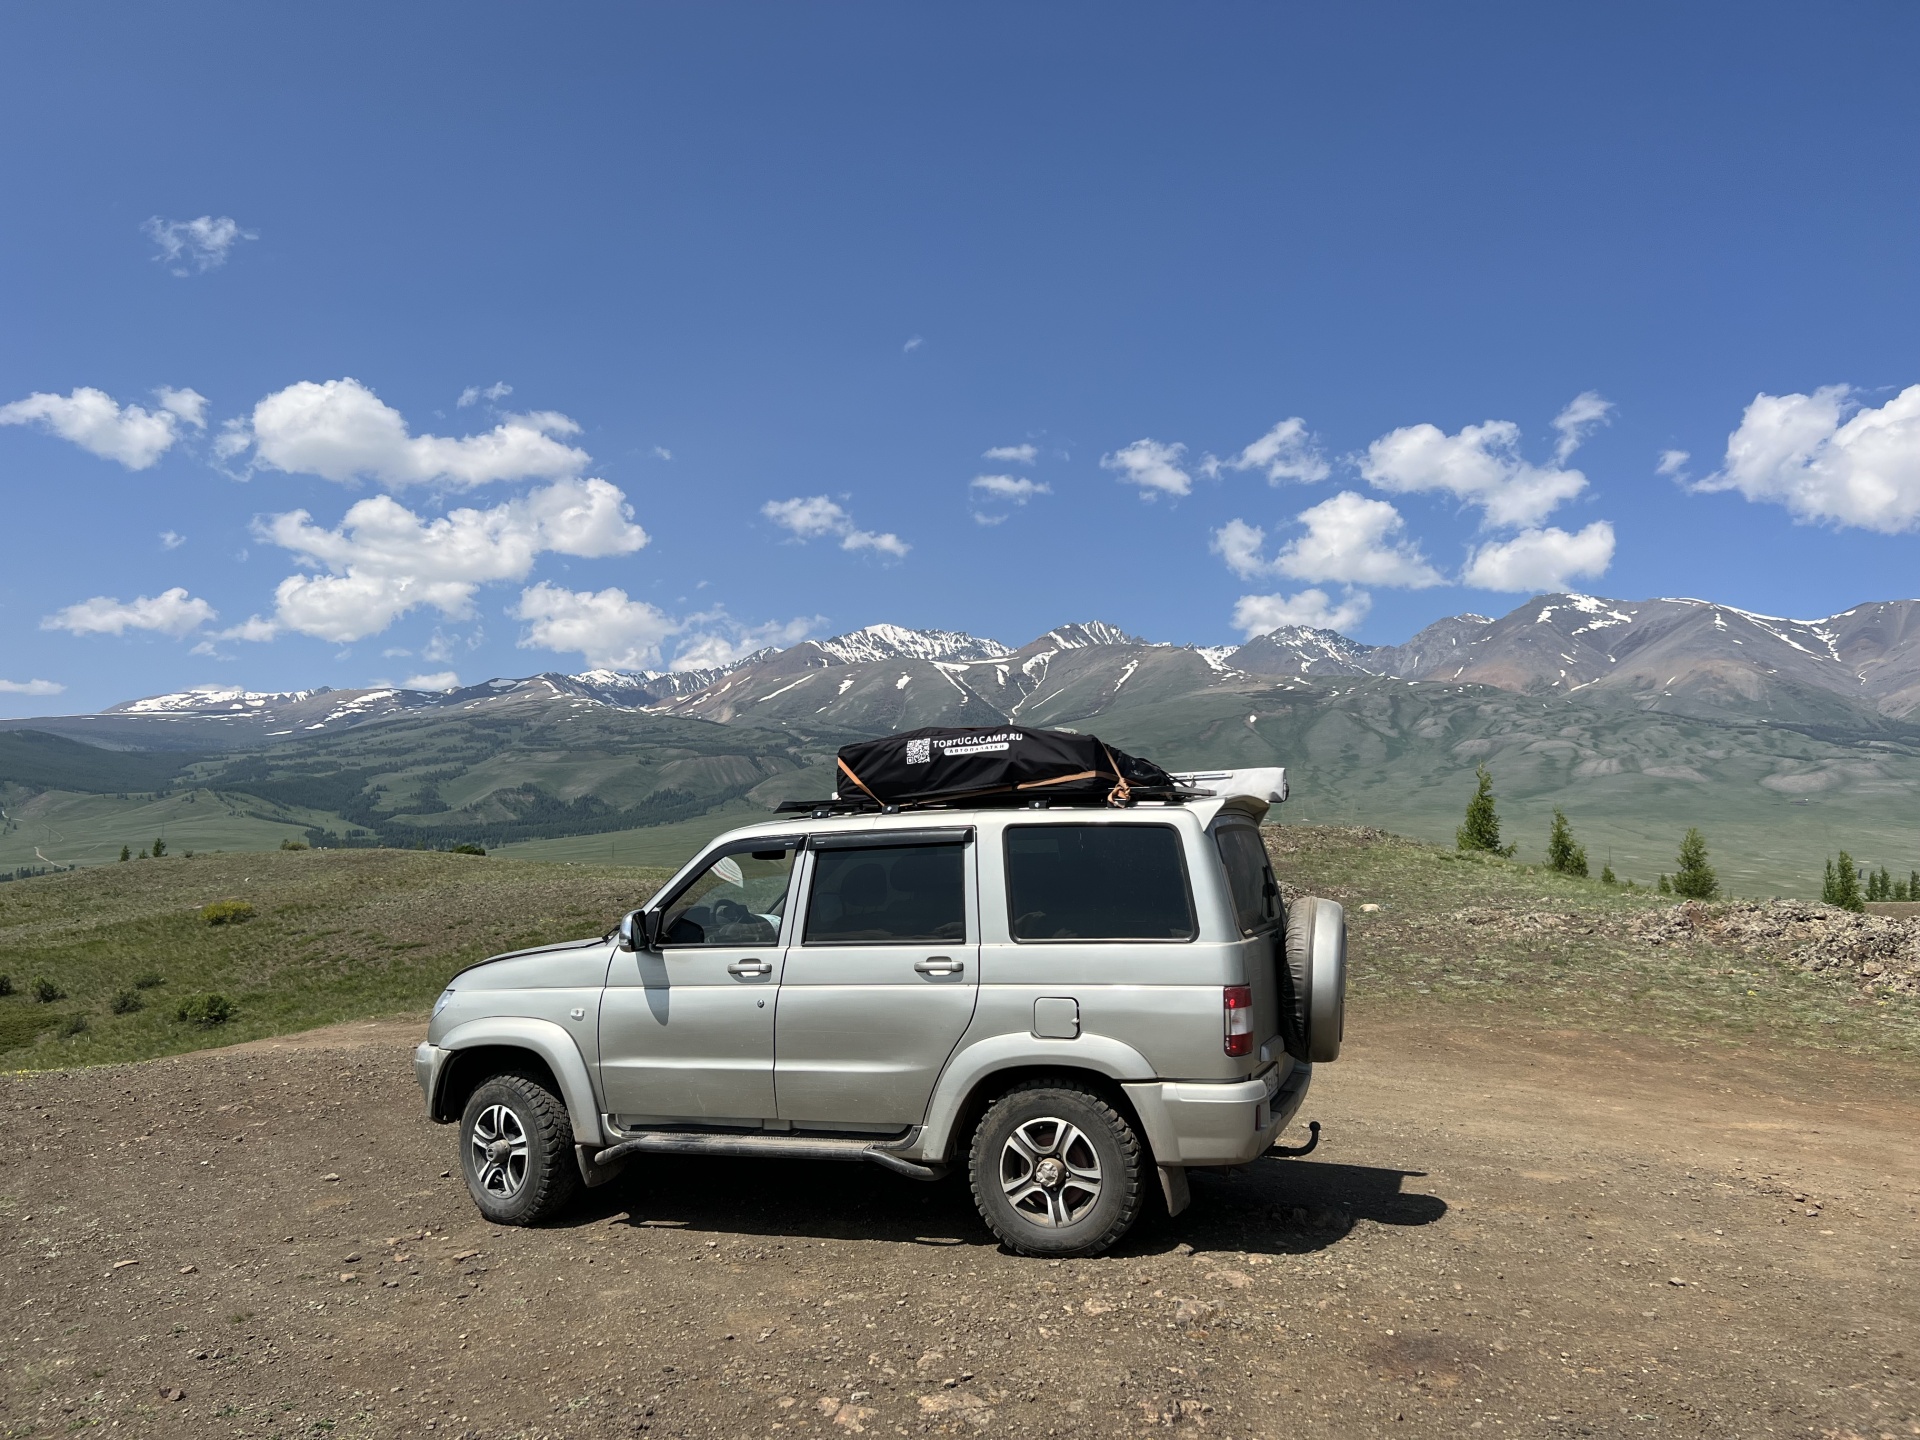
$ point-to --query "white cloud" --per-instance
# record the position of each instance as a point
(340, 430)
(1583, 413)
(1481, 465)
(385, 560)
(1285, 453)
(127, 433)
(1154, 467)
(1536, 560)
(607, 627)
(473, 394)
(252, 628)
(1349, 538)
(202, 243)
(724, 641)
(913, 344)
(1673, 463)
(1243, 547)
(1257, 614)
(660, 452)
(810, 517)
(981, 517)
(1828, 458)
(438, 680)
(31, 687)
(1012, 454)
(171, 612)
(171, 539)
(1014, 489)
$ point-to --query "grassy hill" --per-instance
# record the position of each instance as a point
(349, 934)
(336, 935)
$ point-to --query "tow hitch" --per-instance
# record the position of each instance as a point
(1313, 1139)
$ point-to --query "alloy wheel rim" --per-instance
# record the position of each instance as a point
(1050, 1172)
(500, 1152)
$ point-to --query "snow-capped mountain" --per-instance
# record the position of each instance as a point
(896, 642)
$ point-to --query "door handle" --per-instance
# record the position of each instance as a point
(750, 967)
(940, 965)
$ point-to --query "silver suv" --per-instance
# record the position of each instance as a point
(1071, 1002)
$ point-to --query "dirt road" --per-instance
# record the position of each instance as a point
(1536, 1236)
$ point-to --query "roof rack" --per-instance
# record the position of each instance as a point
(992, 800)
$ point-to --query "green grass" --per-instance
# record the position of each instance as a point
(1584, 970)
(64, 828)
(336, 935)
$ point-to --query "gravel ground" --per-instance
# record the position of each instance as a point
(1514, 1234)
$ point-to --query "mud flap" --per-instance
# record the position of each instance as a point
(1173, 1185)
(595, 1174)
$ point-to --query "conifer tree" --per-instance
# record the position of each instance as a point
(1481, 829)
(1881, 885)
(1830, 887)
(125, 853)
(1562, 854)
(1695, 878)
(159, 848)
(1663, 887)
(1607, 877)
(1846, 885)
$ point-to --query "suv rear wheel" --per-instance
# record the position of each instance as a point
(1056, 1170)
(516, 1149)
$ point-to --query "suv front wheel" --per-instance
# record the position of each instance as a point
(1056, 1170)
(516, 1149)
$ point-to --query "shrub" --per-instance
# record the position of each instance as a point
(1607, 877)
(73, 1025)
(159, 848)
(6, 984)
(205, 1010)
(46, 992)
(227, 912)
(468, 848)
(125, 1002)
(1563, 854)
(1481, 829)
(1663, 887)
(1695, 878)
(149, 980)
(293, 845)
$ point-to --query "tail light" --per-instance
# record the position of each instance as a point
(1236, 1019)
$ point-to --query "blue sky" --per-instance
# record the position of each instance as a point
(768, 282)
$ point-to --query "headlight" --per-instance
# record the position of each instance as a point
(441, 1003)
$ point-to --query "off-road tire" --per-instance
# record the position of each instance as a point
(550, 1177)
(1090, 1228)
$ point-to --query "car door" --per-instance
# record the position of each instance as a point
(686, 1029)
(880, 978)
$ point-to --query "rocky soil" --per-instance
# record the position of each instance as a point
(1502, 1234)
(1880, 953)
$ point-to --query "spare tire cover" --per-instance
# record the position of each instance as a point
(1313, 979)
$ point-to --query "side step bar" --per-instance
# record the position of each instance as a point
(765, 1147)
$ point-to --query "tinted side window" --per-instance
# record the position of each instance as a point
(1097, 882)
(887, 895)
(1256, 898)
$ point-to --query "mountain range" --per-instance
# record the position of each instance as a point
(1640, 713)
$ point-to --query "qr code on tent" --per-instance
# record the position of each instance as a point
(919, 752)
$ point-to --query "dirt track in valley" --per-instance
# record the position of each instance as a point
(1539, 1235)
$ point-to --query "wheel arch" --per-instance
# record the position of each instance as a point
(982, 1073)
(538, 1048)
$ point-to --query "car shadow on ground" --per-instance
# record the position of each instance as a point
(1271, 1207)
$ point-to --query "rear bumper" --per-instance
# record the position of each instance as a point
(1192, 1123)
(429, 1061)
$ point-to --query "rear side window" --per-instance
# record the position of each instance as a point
(1097, 882)
(1256, 898)
(887, 895)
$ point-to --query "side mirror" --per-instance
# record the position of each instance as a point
(639, 930)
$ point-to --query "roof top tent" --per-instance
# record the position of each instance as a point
(1012, 765)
